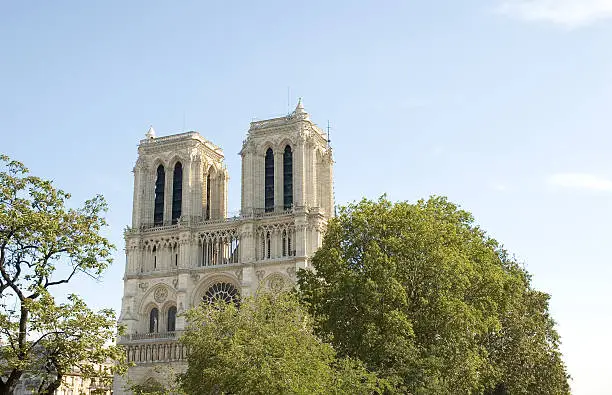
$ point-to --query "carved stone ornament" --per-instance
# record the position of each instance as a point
(175, 282)
(143, 286)
(260, 274)
(238, 274)
(160, 294)
(276, 283)
(291, 271)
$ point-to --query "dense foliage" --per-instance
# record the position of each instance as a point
(266, 346)
(44, 244)
(428, 301)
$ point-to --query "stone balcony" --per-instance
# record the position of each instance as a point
(145, 348)
(198, 222)
(148, 337)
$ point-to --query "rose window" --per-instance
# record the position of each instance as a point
(222, 291)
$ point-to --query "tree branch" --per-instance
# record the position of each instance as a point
(50, 283)
(45, 335)
(4, 273)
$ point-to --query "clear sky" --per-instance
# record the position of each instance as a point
(503, 106)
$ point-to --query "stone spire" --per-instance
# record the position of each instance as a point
(151, 133)
(299, 110)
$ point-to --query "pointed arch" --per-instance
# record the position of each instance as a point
(211, 175)
(269, 181)
(171, 314)
(154, 320)
(177, 192)
(160, 182)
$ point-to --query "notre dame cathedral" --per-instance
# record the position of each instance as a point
(182, 249)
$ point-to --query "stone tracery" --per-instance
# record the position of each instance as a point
(222, 291)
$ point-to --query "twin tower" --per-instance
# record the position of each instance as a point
(183, 250)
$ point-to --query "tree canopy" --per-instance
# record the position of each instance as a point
(44, 244)
(266, 346)
(427, 300)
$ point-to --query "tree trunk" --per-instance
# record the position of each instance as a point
(52, 386)
(8, 387)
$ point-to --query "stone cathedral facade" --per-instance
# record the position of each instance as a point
(183, 250)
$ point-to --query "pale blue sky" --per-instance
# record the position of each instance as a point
(503, 106)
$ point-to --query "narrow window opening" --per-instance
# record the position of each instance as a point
(177, 192)
(158, 212)
(208, 196)
(154, 320)
(175, 259)
(263, 247)
(288, 178)
(269, 181)
(171, 319)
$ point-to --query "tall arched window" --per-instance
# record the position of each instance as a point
(154, 320)
(177, 192)
(269, 181)
(158, 213)
(171, 319)
(287, 178)
(208, 196)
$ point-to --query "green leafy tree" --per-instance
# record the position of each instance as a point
(427, 300)
(266, 346)
(43, 245)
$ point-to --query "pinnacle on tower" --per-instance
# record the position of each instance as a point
(299, 109)
(300, 112)
(150, 133)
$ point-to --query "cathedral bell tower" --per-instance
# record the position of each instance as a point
(287, 164)
(287, 169)
(178, 178)
(182, 250)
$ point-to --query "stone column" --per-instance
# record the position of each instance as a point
(298, 174)
(313, 180)
(185, 242)
(137, 198)
(258, 175)
(247, 247)
(223, 193)
(186, 209)
(247, 182)
(168, 197)
(330, 186)
(278, 180)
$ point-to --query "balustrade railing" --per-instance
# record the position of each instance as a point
(151, 336)
(153, 347)
(156, 352)
(257, 212)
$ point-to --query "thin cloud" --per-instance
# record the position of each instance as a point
(583, 181)
(569, 13)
